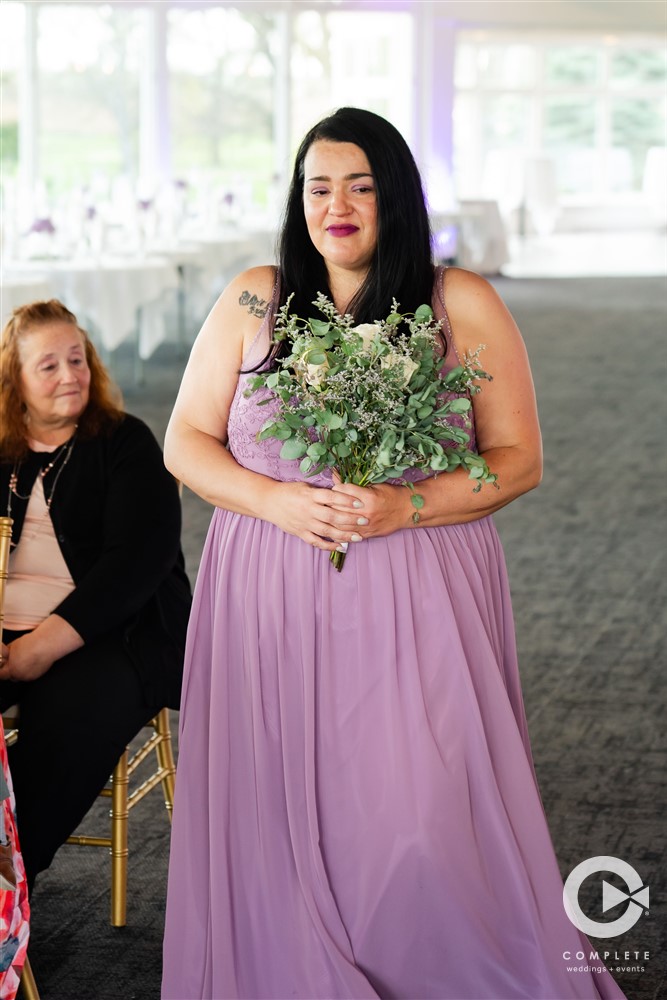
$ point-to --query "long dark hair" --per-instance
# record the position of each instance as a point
(402, 266)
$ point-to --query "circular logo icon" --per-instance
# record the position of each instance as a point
(636, 897)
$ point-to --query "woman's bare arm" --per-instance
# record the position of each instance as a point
(195, 441)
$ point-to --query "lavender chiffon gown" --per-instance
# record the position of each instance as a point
(356, 809)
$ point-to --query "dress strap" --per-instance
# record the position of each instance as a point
(440, 310)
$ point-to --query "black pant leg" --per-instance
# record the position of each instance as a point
(75, 722)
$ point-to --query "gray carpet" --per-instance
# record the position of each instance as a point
(586, 560)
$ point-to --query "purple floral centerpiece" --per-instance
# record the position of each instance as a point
(43, 226)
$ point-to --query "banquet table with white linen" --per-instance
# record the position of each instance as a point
(21, 289)
(119, 297)
(124, 297)
(208, 260)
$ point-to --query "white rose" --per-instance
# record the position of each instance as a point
(367, 331)
(408, 366)
(316, 374)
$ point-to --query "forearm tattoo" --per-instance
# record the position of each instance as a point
(256, 307)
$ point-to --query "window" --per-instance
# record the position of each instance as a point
(11, 48)
(221, 76)
(572, 66)
(88, 89)
(595, 109)
(355, 58)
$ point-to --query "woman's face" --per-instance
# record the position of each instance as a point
(55, 377)
(340, 204)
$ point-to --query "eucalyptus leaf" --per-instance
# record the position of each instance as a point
(459, 405)
(392, 473)
(423, 314)
(320, 327)
(453, 375)
(292, 449)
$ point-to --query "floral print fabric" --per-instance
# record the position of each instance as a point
(14, 907)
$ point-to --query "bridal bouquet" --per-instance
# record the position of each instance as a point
(368, 400)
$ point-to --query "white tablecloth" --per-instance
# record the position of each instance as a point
(21, 289)
(119, 296)
(226, 252)
(207, 261)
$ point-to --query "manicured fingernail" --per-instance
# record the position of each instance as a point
(362, 520)
(342, 547)
(355, 538)
(357, 503)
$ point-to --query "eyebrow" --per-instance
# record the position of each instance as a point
(348, 177)
(53, 354)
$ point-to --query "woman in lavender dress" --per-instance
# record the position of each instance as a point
(356, 810)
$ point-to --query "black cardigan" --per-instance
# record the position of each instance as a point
(116, 514)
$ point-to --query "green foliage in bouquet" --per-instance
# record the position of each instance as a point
(368, 400)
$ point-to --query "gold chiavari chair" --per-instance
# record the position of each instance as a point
(123, 800)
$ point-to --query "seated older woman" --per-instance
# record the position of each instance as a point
(97, 598)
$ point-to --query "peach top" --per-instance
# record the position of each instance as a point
(38, 575)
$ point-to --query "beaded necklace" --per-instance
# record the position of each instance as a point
(64, 452)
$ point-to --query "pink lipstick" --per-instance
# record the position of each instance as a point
(342, 230)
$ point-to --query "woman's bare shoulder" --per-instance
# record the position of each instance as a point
(239, 311)
(251, 290)
(211, 375)
(460, 284)
(469, 296)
